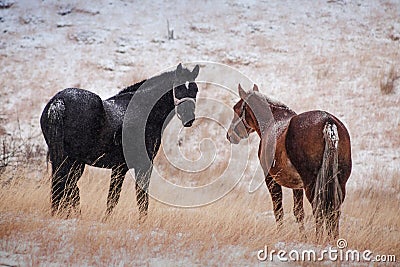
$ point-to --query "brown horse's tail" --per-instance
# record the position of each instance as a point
(328, 194)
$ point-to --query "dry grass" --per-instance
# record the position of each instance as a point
(387, 81)
(238, 221)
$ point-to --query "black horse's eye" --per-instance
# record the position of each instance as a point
(192, 90)
(186, 89)
(181, 91)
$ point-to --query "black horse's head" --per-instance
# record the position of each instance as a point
(185, 91)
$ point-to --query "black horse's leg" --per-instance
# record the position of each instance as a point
(298, 208)
(71, 195)
(276, 194)
(59, 175)
(142, 177)
(117, 179)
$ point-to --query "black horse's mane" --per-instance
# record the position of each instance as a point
(131, 88)
(163, 78)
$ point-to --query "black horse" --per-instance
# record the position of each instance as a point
(119, 133)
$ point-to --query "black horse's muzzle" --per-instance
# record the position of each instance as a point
(184, 110)
(188, 123)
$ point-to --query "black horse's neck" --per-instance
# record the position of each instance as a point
(155, 97)
(162, 112)
(164, 79)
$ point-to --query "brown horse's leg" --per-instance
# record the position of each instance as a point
(298, 208)
(117, 179)
(319, 226)
(276, 194)
(333, 225)
(319, 222)
(142, 197)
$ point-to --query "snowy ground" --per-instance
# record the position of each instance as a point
(329, 55)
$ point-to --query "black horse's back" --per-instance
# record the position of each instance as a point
(72, 121)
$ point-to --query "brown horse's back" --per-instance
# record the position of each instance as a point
(305, 146)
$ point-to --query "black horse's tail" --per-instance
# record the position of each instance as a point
(328, 194)
(55, 132)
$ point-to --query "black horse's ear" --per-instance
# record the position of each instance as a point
(195, 72)
(242, 92)
(179, 68)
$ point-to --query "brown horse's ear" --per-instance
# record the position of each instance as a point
(242, 92)
(255, 88)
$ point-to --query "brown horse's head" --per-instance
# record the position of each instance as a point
(243, 122)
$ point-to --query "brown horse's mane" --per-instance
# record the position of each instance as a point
(276, 104)
(273, 103)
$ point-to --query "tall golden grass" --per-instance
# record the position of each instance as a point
(199, 235)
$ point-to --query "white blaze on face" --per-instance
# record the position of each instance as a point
(187, 85)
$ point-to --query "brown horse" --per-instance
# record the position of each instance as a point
(309, 151)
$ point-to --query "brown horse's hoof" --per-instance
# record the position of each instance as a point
(302, 232)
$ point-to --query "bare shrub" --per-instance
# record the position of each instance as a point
(15, 149)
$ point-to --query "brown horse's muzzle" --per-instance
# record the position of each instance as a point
(232, 138)
(236, 132)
